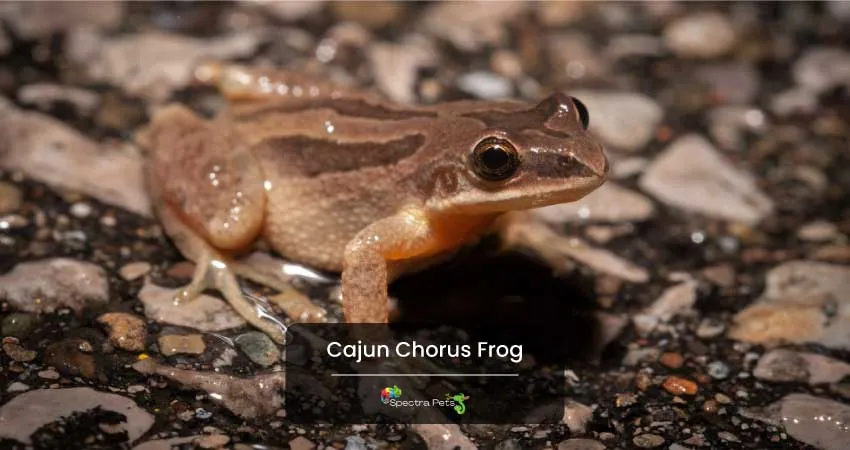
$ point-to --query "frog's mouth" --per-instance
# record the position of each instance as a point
(521, 196)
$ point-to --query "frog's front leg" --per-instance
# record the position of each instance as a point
(367, 259)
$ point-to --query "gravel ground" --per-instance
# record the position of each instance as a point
(704, 303)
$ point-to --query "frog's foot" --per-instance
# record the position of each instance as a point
(292, 302)
(216, 272)
(238, 82)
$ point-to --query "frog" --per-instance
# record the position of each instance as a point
(344, 180)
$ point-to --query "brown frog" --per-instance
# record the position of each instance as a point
(346, 181)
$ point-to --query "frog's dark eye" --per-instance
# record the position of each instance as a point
(495, 159)
(583, 115)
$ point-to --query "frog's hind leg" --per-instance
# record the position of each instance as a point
(215, 270)
(209, 197)
(293, 303)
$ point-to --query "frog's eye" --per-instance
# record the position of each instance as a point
(583, 115)
(495, 159)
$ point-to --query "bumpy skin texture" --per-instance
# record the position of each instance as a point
(343, 181)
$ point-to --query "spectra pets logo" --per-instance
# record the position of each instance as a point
(390, 393)
(460, 406)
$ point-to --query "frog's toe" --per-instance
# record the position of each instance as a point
(294, 304)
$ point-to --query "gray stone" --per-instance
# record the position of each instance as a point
(784, 365)
(46, 285)
(258, 347)
(49, 151)
(700, 35)
(692, 175)
(581, 444)
(26, 413)
(609, 203)
(205, 313)
(794, 306)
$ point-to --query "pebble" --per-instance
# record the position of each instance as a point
(32, 21)
(818, 231)
(81, 210)
(25, 414)
(49, 374)
(622, 120)
(581, 444)
(839, 9)
(727, 436)
(16, 351)
(171, 344)
(126, 331)
(673, 301)
(641, 355)
(577, 416)
(289, 11)
(796, 100)
(605, 261)
(821, 69)
(43, 286)
(469, 26)
(355, 443)
(301, 443)
(672, 360)
(609, 203)
(793, 307)
(45, 95)
(574, 56)
(17, 386)
(134, 270)
(18, 325)
(679, 386)
(443, 436)
(396, 66)
(783, 365)
(728, 124)
(376, 15)
(718, 370)
(485, 85)
(710, 328)
(154, 64)
(250, 397)
(72, 357)
(47, 150)
(213, 441)
(733, 83)
(258, 347)
(692, 175)
(626, 45)
(816, 421)
(648, 440)
(13, 222)
(10, 197)
(506, 63)
(700, 35)
(205, 313)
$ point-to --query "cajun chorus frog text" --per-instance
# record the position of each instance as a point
(416, 350)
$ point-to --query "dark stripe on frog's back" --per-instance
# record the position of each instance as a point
(343, 107)
(309, 157)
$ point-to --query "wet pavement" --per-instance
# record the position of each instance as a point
(703, 301)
